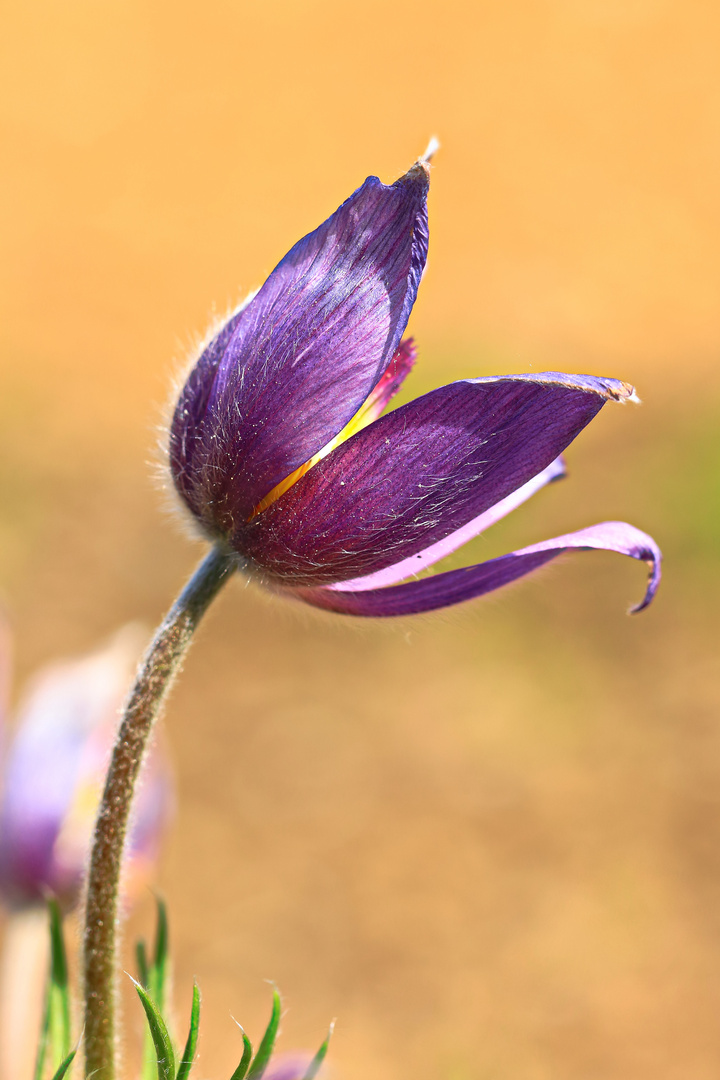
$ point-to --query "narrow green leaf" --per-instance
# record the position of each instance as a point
(60, 1034)
(160, 1037)
(55, 1029)
(242, 1068)
(142, 964)
(155, 985)
(58, 959)
(159, 967)
(267, 1042)
(314, 1067)
(43, 1042)
(65, 1065)
(188, 1055)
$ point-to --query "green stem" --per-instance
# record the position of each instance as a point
(157, 671)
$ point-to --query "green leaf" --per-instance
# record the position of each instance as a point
(242, 1068)
(65, 1065)
(142, 964)
(42, 1047)
(154, 983)
(314, 1067)
(161, 1039)
(55, 1034)
(267, 1042)
(58, 959)
(60, 1034)
(159, 968)
(191, 1045)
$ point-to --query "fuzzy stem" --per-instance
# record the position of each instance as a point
(155, 675)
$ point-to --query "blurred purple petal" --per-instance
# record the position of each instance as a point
(419, 473)
(289, 1066)
(303, 355)
(54, 771)
(456, 586)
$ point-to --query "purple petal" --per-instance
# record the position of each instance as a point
(395, 375)
(189, 417)
(303, 354)
(54, 772)
(409, 567)
(419, 473)
(456, 586)
(288, 1066)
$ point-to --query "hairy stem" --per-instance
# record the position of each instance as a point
(156, 673)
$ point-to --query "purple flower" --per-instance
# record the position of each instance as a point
(279, 448)
(288, 1066)
(53, 775)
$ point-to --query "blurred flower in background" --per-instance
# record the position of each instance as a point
(53, 772)
(289, 1066)
(53, 769)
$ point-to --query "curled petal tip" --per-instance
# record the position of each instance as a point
(430, 151)
(557, 470)
(652, 559)
(457, 586)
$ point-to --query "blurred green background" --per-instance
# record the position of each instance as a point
(488, 841)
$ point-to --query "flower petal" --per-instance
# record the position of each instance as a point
(419, 473)
(304, 353)
(409, 567)
(395, 375)
(397, 371)
(54, 771)
(188, 455)
(456, 586)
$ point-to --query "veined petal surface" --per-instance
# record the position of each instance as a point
(419, 473)
(303, 355)
(395, 374)
(416, 563)
(188, 456)
(456, 586)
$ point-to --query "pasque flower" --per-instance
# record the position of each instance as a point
(279, 448)
(53, 774)
(288, 1066)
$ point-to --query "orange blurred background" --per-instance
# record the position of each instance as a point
(488, 841)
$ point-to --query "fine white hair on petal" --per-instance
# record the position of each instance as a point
(159, 464)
